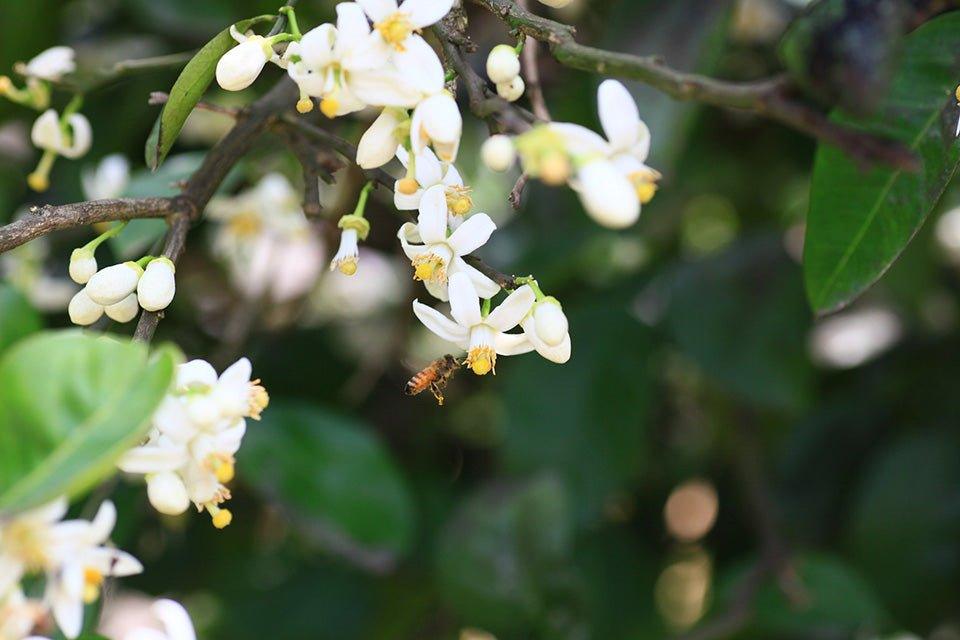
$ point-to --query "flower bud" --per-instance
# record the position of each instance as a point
(84, 311)
(556, 4)
(498, 153)
(83, 265)
(156, 288)
(550, 321)
(239, 67)
(503, 64)
(125, 310)
(113, 284)
(512, 90)
(167, 493)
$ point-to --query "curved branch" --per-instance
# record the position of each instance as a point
(769, 97)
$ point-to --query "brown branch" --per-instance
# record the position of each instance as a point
(176, 241)
(502, 279)
(516, 194)
(531, 74)
(772, 97)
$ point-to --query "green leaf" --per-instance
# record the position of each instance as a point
(859, 222)
(18, 318)
(187, 91)
(70, 405)
(500, 557)
(336, 479)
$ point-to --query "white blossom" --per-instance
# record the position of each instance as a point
(83, 264)
(52, 64)
(482, 337)
(397, 25)
(240, 66)
(157, 285)
(114, 283)
(379, 142)
(125, 310)
(547, 329)
(108, 180)
(82, 310)
(430, 172)
(70, 142)
(498, 153)
(512, 90)
(174, 619)
(347, 256)
(436, 254)
(503, 64)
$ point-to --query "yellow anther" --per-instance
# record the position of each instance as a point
(396, 29)
(259, 398)
(38, 181)
(482, 360)
(245, 224)
(407, 186)
(429, 267)
(329, 106)
(92, 580)
(304, 105)
(221, 517)
(424, 271)
(348, 266)
(222, 467)
(554, 168)
(645, 183)
(5, 85)
(956, 93)
(461, 206)
(646, 191)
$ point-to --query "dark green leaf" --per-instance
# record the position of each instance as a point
(335, 477)
(70, 405)
(17, 318)
(859, 222)
(187, 91)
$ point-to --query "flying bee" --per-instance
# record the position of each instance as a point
(434, 377)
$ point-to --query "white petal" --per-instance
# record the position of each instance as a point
(423, 13)
(152, 459)
(81, 136)
(428, 170)
(405, 202)
(175, 619)
(167, 493)
(432, 221)
(437, 289)
(420, 66)
(472, 234)
(52, 64)
(559, 353)
(441, 119)
(113, 562)
(607, 195)
(102, 523)
(352, 24)
(452, 177)
(378, 9)
(439, 323)
(383, 88)
(196, 373)
(580, 140)
(379, 142)
(486, 288)
(511, 344)
(238, 373)
(511, 311)
(316, 46)
(464, 301)
(48, 513)
(46, 133)
(618, 115)
(172, 420)
(408, 234)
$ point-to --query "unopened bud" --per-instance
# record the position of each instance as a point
(82, 310)
(157, 286)
(512, 90)
(498, 153)
(503, 64)
(125, 310)
(167, 493)
(550, 321)
(239, 67)
(83, 265)
(113, 284)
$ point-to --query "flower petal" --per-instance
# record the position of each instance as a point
(618, 115)
(378, 9)
(472, 234)
(382, 88)
(432, 221)
(486, 288)
(559, 353)
(46, 133)
(580, 140)
(607, 195)
(511, 311)
(441, 119)
(175, 619)
(464, 301)
(511, 344)
(428, 170)
(379, 142)
(408, 234)
(452, 177)
(352, 25)
(420, 66)
(102, 524)
(407, 202)
(316, 46)
(439, 323)
(152, 459)
(423, 13)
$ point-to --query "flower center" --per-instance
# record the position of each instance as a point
(481, 357)
(92, 581)
(329, 106)
(459, 202)
(645, 183)
(395, 29)
(259, 398)
(25, 542)
(429, 266)
(221, 465)
(245, 224)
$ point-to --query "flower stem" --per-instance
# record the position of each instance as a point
(292, 19)
(106, 235)
(362, 200)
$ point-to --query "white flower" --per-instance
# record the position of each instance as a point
(483, 338)
(498, 153)
(429, 172)
(436, 255)
(606, 195)
(157, 285)
(547, 329)
(345, 260)
(436, 119)
(379, 142)
(197, 429)
(113, 284)
(125, 310)
(18, 614)
(175, 620)
(83, 264)
(47, 134)
(345, 67)
(503, 64)
(82, 310)
(109, 180)
(396, 25)
(241, 65)
(628, 137)
(52, 64)
(512, 90)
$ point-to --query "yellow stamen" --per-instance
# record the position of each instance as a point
(329, 106)
(347, 266)
(259, 398)
(428, 266)
(645, 183)
(245, 224)
(482, 360)
(304, 105)
(396, 29)
(221, 518)
(554, 168)
(5, 85)
(458, 200)
(957, 93)
(646, 191)
(38, 182)
(407, 186)
(92, 581)
(222, 466)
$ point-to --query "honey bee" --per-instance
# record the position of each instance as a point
(434, 377)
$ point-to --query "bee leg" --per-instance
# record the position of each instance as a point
(437, 393)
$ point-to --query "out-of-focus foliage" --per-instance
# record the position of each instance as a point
(532, 504)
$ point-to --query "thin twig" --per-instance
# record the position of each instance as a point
(516, 194)
(531, 75)
(160, 97)
(176, 241)
(771, 97)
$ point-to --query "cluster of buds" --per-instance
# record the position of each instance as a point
(503, 69)
(72, 557)
(197, 429)
(120, 290)
(67, 133)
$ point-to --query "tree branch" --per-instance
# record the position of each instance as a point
(176, 241)
(769, 97)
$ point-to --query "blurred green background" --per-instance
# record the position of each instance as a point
(812, 468)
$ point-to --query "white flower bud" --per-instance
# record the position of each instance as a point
(503, 64)
(84, 311)
(556, 4)
(157, 286)
(511, 91)
(240, 66)
(83, 265)
(113, 284)
(550, 321)
(167, 493)
(125, 310)
(497, 152)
